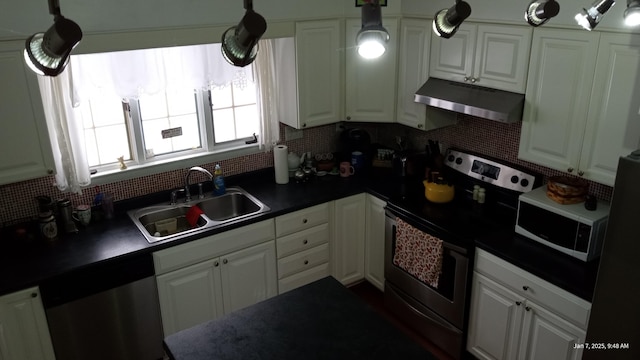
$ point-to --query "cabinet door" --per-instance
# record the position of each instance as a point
(495, 319)
(319, 72)
(249, 276)
(557, 97)
(24, 333)
(452, 59)
(413, 70)
(374, 241)
(23, 125)
(613, 125)
(371, 83)
(502, 57)
(190, 296)
(546, 336)
(348, 237)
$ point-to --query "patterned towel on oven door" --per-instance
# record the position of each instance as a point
(418, 253)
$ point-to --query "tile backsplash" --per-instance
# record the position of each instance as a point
(17, 200)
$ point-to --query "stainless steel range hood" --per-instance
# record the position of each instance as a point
(472, 100)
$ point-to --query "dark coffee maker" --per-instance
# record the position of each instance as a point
(355, 147)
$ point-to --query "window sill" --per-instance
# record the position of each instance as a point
(185, 162)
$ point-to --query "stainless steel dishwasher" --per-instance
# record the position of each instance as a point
(105, 311)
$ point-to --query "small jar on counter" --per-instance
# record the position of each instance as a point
(481, 196)
(476, 189)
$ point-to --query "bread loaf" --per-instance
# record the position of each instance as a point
(567, 190)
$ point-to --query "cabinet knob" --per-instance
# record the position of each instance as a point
(518, 303)
(570, 170)
(304, 221)
(474, 80)
(348, 118)
(580, 172)
(34, 295)
(225, 261)
(50, 171)
(527, 308)
(304, 125)
(305, 241)
(306, 262)
(525, 288)
(420, 126)
(216, 264)
(466, 78)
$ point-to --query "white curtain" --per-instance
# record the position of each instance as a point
(264, 68)
(65, 132)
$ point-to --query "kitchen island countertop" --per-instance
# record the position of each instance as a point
(321, 320)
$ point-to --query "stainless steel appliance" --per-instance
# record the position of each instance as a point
(440, 314)
(570, 229)
(108, 311)
(613, 324)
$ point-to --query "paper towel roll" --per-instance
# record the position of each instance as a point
(280, 164)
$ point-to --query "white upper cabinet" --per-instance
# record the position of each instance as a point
(613, 124)
(494, 56)
(371, 83)
(318, 49)
(25, 152)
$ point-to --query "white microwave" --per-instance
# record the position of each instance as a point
(570, 229)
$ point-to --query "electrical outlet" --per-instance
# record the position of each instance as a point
(292, 134)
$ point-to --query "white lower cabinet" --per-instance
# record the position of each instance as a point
(349, 239)
(516, 315)
(24, 333)
(204, 279)
(303, 246)
(374, 241)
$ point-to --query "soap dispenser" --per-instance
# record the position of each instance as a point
(218, 181)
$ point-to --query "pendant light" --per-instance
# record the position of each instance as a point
(447, 21)
(590, 18)
(240, 43)
(372, 38)
(48, 53)
(540, 11)
(632, 13)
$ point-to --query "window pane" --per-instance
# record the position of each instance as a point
(153, 140)
(113, 143)
(190, 138)
(245, 95)
(221, 97)
(91, 147)
(224, 125)
(153, 106)
(106, 111)
(181, 102)
(246, 121)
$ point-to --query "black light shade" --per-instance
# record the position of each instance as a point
(48, 53)
(540, 11)
(447, 21)
(240, 43)
(372, 38)
(632, 13)
(590, 18)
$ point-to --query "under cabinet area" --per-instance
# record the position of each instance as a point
(24, 333)
(302, 241)
(206, 278)
(494, 56)
(516, 315)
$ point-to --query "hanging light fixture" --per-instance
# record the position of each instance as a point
(372, 38)
(447, 21)
(540, 11)
(590, 18)
(240, 43)
(632, 13)
(48, 53)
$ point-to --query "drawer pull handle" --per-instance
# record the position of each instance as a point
(525, 288)
(518, 303)
(305, 241)
(306, 262)
(304, 221)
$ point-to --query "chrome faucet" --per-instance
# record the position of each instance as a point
(187, 193)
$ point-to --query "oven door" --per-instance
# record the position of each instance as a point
(448, 299)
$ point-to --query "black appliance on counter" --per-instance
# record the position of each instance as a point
(352, 140)
(441, 314)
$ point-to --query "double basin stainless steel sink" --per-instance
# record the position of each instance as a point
(169, 222)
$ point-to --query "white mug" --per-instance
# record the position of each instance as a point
(82, 214)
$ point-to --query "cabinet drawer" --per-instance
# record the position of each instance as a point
(538, 290)
(211, 246)
(302, 240)
(303, 260)
(302, 219)
(303, 278)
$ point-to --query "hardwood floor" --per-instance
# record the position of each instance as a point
(374, 297)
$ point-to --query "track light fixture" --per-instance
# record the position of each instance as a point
(447, 21)
(372, 38)
(590, 18)
(632, 13)
(48, 53)
(540, 11)
(240, 43)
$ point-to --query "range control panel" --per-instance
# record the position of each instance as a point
(489, 171)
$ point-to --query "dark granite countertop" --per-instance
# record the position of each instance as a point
(321, 320)
(26, 260)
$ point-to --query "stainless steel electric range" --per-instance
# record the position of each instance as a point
(440, 313)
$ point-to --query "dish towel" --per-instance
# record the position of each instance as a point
(418, 253)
